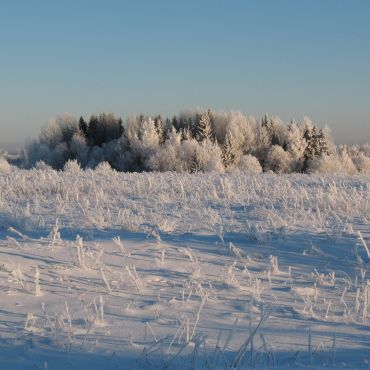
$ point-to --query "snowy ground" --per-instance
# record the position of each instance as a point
(100, 270)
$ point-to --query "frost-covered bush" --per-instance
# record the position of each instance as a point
(249, 163)
(348, 166)
(365, 149)
(362, 163)
(278, 160)
(331, 164)
(296, 145)
(79, 148)
(96, 156)
(172, 156)
(207, 158)
(53, 144)
(72, 166)
(5, 167)
(324, 164)
(103, 168)
(118, 154)
(42, 166)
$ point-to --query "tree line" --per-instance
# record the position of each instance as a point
(193, 141)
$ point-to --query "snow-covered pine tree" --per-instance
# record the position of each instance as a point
(175, 123)
(272, 127)
(160, 128)
(311, 149)
(204, 129)
(230, 151)
(68, 125)
(322, 142)
(92, 131)
(317, 144)
(265, 121)
(186, 134)
(83, 126)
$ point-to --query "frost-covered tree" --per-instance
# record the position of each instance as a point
(145, 144)
(68, 126)
(58, 130)
(265, 121)
(296, 146)
(221, 121)
(262, 145)
(149, 137)
(175, 155)
(51, 135)
(160, 128)
(322, 142)
(347, 163)
(92, 131)
(166, 159)
(243, 129)
(79, 149)
(186, 134)
(276, 130)
(132, 128)
(312, 149)
(168, 156)
(237, 124)
(53, 144)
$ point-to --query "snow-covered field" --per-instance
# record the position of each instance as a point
(106, 270)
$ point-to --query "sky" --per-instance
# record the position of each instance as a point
(288, 58)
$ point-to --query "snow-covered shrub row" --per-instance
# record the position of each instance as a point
(193, 141)
(255, 204)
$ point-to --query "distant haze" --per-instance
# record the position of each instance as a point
(288, 58)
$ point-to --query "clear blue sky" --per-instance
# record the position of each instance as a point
(287, 58)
